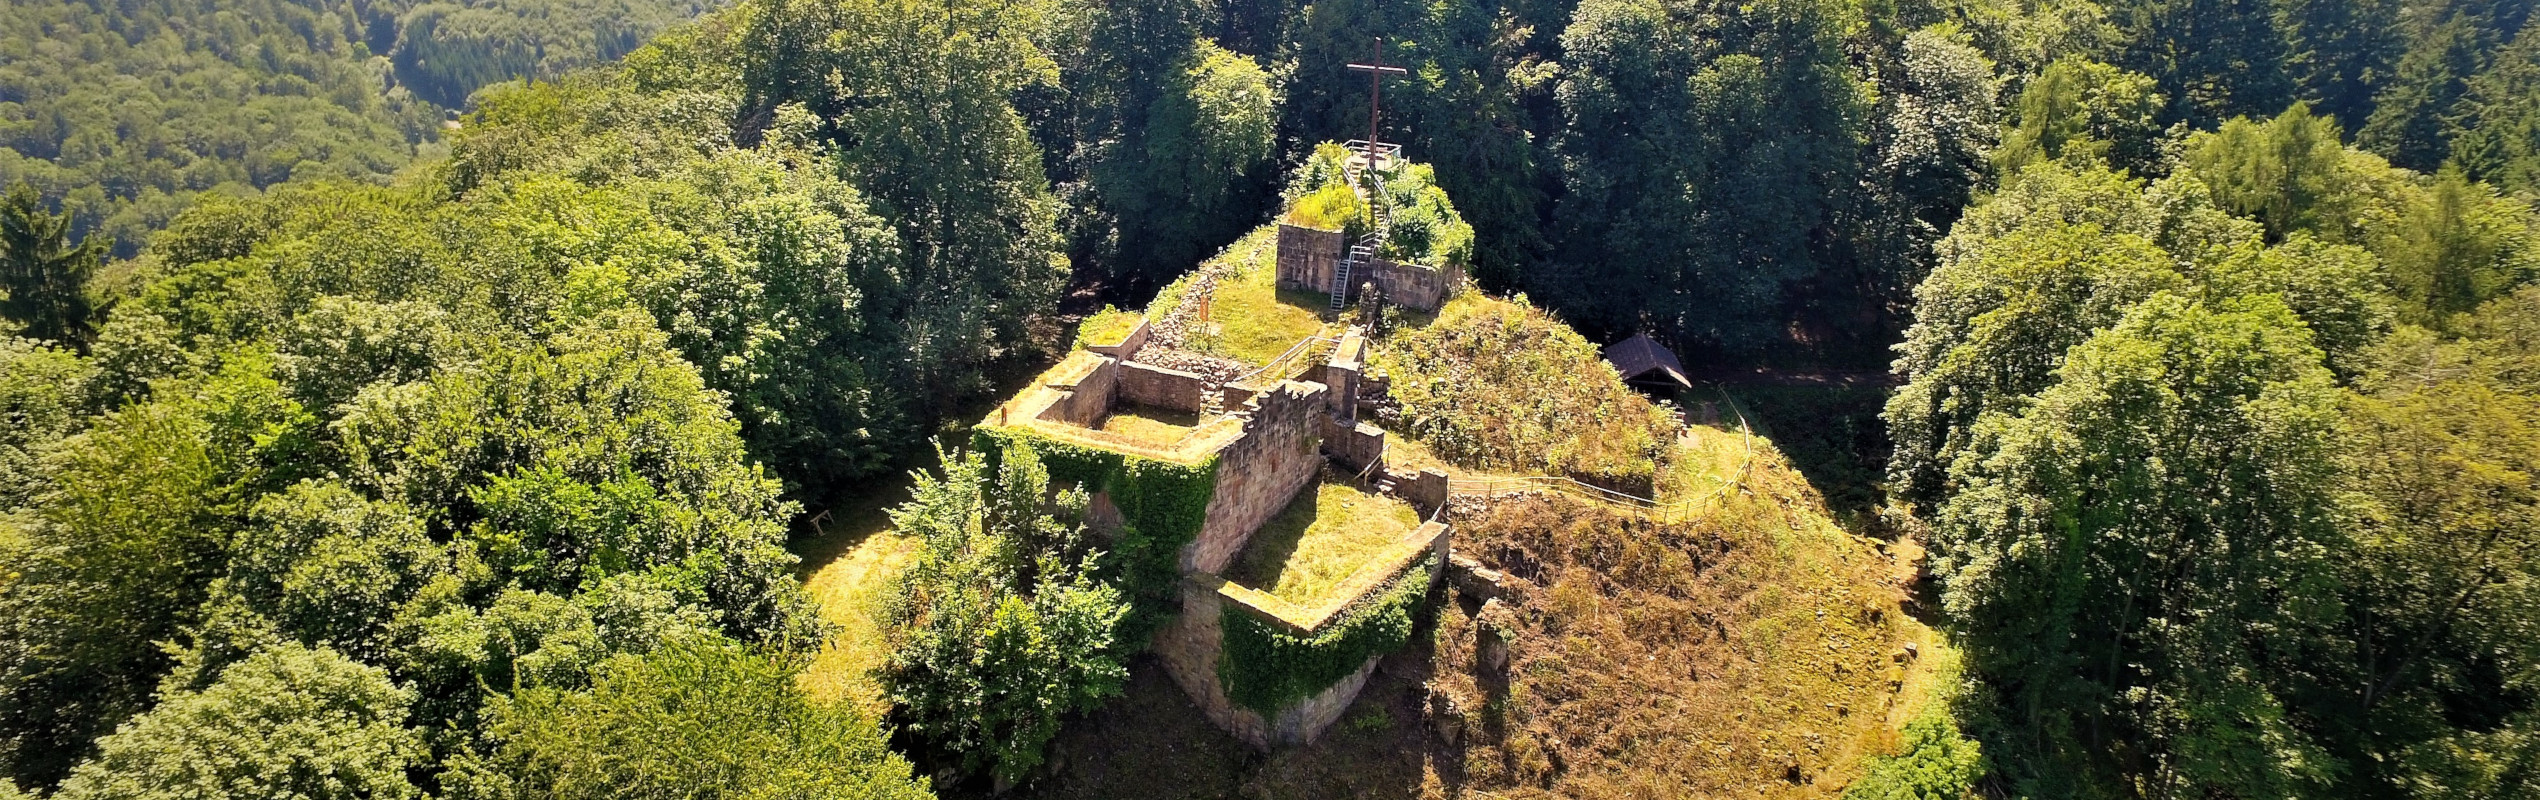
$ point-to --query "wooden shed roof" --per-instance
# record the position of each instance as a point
(1640, 356)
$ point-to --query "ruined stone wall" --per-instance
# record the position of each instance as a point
(1307, 258)
(1342, 373)
(1425, 490)
(1413, 285)
(1157, 387)
(1257, 475)
(1084, 394)
(1191, 645)
(1129, 345)
(1355, 445)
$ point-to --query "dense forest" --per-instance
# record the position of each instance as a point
(123, 112)
(380, 425)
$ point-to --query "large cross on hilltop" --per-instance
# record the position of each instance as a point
(1376, 73)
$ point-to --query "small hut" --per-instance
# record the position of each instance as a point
(1647, 365)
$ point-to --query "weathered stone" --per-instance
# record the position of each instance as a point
(1158, 387)
(1468, 576)
(1307, 258)
(1493, 630)
(1278, 454)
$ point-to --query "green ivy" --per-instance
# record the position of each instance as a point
(1162, 506)
(1265, 668)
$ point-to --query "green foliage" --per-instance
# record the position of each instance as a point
(445, 50)
(286, 722)
(2288, 173)
(1162, 507)
(2212, 59)
(1425, 227)
(2085, 109)
(2456, 245)
(119, 555)
(2445, 450)
(1334, 207)
(698, 718)
(1938, 763)
(2495, 128)
(2335, 288)
(1705, 157)
(1265, 667)
(1182, 175)
(44, 276)
(2145, 549)
(126, 113)
(948, 164)
(2446, 45)
(41, 402)
(480, 526)
(1000, 625)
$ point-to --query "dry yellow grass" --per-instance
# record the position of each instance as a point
(1161, 428)
(1747, 654)
(1323, 536)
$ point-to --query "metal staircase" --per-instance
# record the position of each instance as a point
(1363, 253)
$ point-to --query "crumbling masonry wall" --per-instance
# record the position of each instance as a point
(1307, 258)
(1256, 475)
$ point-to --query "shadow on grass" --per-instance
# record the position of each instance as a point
(1831, 434)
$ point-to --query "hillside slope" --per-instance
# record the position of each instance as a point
(1752, 652)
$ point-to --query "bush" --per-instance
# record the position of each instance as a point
(1938, 763)
(1162, 506)
(286, 722)
(999, 627)
(701, 719)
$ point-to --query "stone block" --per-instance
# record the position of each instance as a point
(1257, 474)
(1157, 387)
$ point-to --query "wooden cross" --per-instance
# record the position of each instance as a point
(1376, 73)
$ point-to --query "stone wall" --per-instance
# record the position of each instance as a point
(1341, 373)
(1307, 258)
(1425, 490)
(1193, 643)
(1157, 387)
(1084, 392)
(1413, 285)
(1355, 445)
(1257, 475)
(1128, 346)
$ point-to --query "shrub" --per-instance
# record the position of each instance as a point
(1162, 506)
(701, 719)
(999, 626)
(1938, 763)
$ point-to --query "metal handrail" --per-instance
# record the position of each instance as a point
(1292, 351)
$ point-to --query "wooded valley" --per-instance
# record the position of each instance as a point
(456, 399)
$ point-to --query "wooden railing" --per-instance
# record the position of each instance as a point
(1678, 511)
